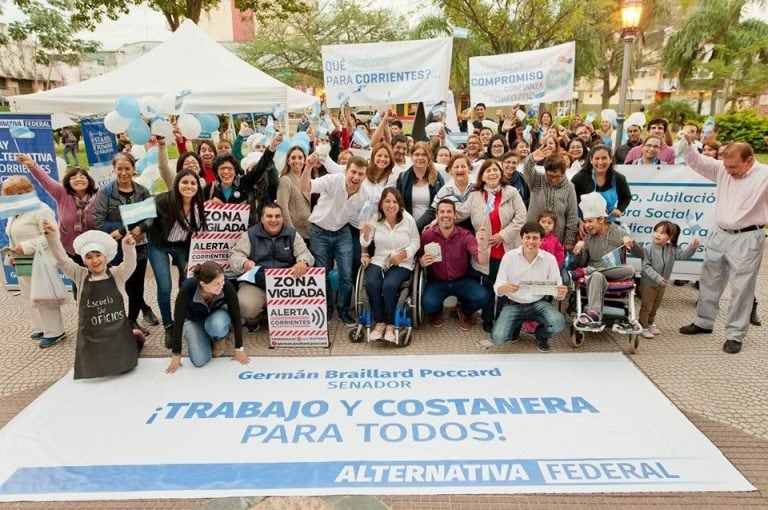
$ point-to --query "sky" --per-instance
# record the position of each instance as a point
(144, 24)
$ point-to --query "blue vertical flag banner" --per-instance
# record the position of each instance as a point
(100, 146)
(40, 147)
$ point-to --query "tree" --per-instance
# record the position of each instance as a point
(509, 26)
(89, 13)
(47, 28)
(717, 40)
(291, 50)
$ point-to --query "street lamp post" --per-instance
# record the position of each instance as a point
(631, 10)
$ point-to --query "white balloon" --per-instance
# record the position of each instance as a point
(61, 166)
(138, 151)
(168, 104)
(162, 127)
(190, 126)
(151, 173)
(520, 114)
(141, 179)
(116, 123)
(279, 160)
(609, 114)
(147, 103)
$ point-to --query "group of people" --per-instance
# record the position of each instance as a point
(482, 221)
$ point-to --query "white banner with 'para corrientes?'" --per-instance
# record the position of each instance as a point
(359, 425)
(387, 72)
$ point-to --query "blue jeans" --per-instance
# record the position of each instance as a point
(467, 290)
(327, 246)
(200, 334)
(161, 267)
(512, 316)
(70, 150)
(487, 281)
(383, 291)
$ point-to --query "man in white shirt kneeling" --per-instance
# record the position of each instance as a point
(523, 273)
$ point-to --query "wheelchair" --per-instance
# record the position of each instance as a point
(619, 312)
(409, 313)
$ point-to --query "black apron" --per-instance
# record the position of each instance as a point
(105, 341)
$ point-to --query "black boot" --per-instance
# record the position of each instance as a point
(753, 318)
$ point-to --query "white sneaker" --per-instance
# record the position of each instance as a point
(485, 342)
(647, 333)
(654, 329)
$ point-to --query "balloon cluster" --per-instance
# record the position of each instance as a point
(300, 139)
(130, 116)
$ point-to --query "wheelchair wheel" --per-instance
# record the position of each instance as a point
(356, 335)
(577, 338)
(358, 290)
(634, 343)
(417, 288)
(404, 340)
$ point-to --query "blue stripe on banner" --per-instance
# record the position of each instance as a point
(310, 475)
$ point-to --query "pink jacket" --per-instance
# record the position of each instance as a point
(551, 244)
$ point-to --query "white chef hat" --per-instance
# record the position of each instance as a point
(593, 205)
(491, 125)
(254, 140)
(95, 240)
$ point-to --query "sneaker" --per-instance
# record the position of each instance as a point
(150, 317)
(218, 348)
(484, 342)
(252, 326)
(437, 320)
(347, 320)
(542, 345)
(589, 318)
(377, 333)
(464, 323)
(647, 333)
(654, 329)
(389, 336)
(36, 335)
(135, 325)
(530, 327)
(693, 329)
(732, 346)
(51, 340)
(169, 337)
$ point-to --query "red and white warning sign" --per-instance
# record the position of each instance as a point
(296, 307)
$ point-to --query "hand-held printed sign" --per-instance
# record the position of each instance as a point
(226, 222)
(296, 307)
(100, 146)
(387, 72)
(674, 193)
(538, 76)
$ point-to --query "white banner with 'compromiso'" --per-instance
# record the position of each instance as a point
(387, 72)
(359, 425)
(537, 76)
(673, 193)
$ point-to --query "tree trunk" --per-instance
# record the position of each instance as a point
(700, 103)
(606, 93)
(713, 102)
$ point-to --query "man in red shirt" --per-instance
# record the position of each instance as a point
(450, 275)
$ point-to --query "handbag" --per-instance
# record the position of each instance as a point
(23, 264)
(46, 288)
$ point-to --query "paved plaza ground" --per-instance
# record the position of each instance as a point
(725, 396)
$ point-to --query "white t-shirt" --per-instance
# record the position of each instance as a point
(335, 207)
(419, 200)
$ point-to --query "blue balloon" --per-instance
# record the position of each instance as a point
(151, 156)
(128, 107)
(303, 144)
(138, 132)
(301, 136)
(208, 121)
(141, 165)
(284, 146)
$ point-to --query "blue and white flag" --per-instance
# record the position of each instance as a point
(279, 112)
(361, 139)
(21, 133)
(11, 205)
(134, 213)
(490, 203)
(613, 258)
(692, 223)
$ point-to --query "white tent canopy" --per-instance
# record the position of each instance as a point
(220, 82)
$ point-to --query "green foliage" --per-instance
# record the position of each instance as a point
(744, 126)
(291, 51)
(677, 113)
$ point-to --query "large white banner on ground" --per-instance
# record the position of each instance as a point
(537, 76)
(387, 72)
(673, 193)
(359, 425)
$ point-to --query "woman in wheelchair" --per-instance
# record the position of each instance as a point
(397, 241)
(599, 256)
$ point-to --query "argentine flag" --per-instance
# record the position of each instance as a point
(134, 213)
(11, 205)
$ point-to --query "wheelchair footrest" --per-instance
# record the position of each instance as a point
(627, 328)
(588, 328)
